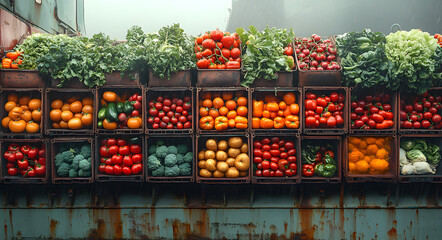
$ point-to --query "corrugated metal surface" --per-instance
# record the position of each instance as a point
(127, 211)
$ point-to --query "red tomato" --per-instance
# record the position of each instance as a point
(124, 150)
(126, 170)
(310, 105)
(137, 158)
(109, 170)
(136, 168)
(118, 170)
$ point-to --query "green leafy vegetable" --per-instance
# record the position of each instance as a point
(263, 55)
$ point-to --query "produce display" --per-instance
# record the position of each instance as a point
(120, 111)
(224, 158)
(23, 113)
(166, 112)
(276, 112)
(265, 53)
(318, 160)
(418, 156)
(422, 111)
(438, 38)
(168, 160)
(315, 53)
(25, 160)
(12, 60)
(223, 111)
(325, 110)
(121, 157)
(73, 160)
(74, 113)
(218, 50)
(369, 155)
(274, 157)
(372, 111)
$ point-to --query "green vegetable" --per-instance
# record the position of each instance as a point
(185, 169)
(68, 156)
(329, 160)
(407, 145)
(432, 153)
(73, 173)
(172, 171)
(84, 173)
(134, 140)
(161, 151)
(100, 124)
(111, 112)
(182, 149)
(85, 165)
(180, 158)
(172, 149)
(120, 107)
(415, 60)
(308, 153)
(159, 172)
(170, 160)
(63, 170)
(188, 158)
(363, 58)
(128, 107)
(153, 163)
(319, 169)
(86, 151)
(263, 56)
(152, 149)
(416, 156)
(102, 113)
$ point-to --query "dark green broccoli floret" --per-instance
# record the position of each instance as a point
(162, 151)
(179, 158)
(160, 142)
(185, 169)
(78, 158)
(172, 150)
(85, 151)
(188, 157)
(84, 173)
(159, 172)
(58, 159)
(152, 149)
(73, 173)
(153, 163)
(172, 171)
(170, 160)
(68, 156)
(63, 170)
(74, 164)
(182, 149)
(85, 165)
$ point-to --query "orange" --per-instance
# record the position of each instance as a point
(242, 111)
(87, 101)
(24, 100)
(203, 112)
(36, 115)
(242, 101)
(66, 115)
(55, 115)
(55, 125)
(12, 97)
(223, 111)
(207, 103)
(75, 123)
(66, 107)
(27, 116)
(86, 120)
(57, 103)
(78, 115)
(76, 107)
(87, 109)
(218, 102)
(72, 99)
(34, 104)
(63, 124)
(10, 105)
(231, 105)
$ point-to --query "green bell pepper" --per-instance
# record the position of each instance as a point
(325, 170)
(102, 113)
(128, 107)
(120, 107)
(329, 160)
(111, 112)
(319, 170)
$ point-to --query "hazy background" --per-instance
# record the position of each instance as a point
(325, 17)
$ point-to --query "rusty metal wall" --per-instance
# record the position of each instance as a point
(140, 211)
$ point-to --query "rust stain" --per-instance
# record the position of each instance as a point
(180, 230)
(285, 228)
(201, 221)
(99, 232)
(115, 220)
(53, 227)
(6, 231)
(305, 219)
(353, 235)
(392, 233)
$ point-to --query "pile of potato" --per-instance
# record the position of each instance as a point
(224, 159)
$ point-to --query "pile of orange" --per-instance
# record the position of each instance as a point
(369, 155)
(74, 113)
(222, 111)
(24, 114)
(276, 112)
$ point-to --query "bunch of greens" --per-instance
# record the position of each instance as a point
(430, 150)
(363, 58)
(134, 57)
(415, 60)
(263, 55)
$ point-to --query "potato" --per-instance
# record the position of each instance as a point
(242, 162)
(211, 144)
(243, 173)
(222, 166)
(205, 173)
(218, 174)
(235, 142)
(244, 148)
(201, 155)
(234, 152)
(230, 162)
(211, 165)
(202, 164)
(221, 156)
(209, 154)
(223, 145)
(232, 172)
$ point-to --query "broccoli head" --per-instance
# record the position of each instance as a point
(172, 171)
(73, 173)
(188, 157)
(58, 159)
(68, 156)
(152, 149)
(185, 169)
(84, 173)
(85, 165)
(170, 160)
(160, 142)
(86, 151)
(63, 170)
(74, 164)
(179, 158)
(182, 149)
(153, 163)
(172, 150)
(161, 151)
(159, 172)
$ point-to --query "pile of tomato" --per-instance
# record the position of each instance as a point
(276, 112)
(12, 60)
(25, 160)
(120, 157)
(421, 112)
(74, 113)
(314, 53)
(170, 113)
(325, 111)
(218, 50)
(372, 112)
(274, 157)
(222, 111)
(23, 114)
